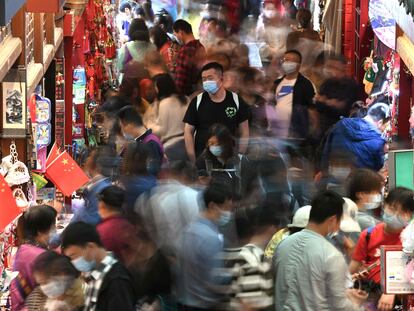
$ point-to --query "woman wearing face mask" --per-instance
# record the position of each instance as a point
(365, 189)
(59, 281)
(219, 161)
(35, 228)
(398, 212)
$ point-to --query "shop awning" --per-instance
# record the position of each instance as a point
(10, 50)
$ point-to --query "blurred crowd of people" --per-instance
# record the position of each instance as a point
(219, 184)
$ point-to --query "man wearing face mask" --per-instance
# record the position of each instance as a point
(293, 94)
(109, 285)
(310, 272)
(199, 246)
(398, 211)
(360, 138)
(215, 105)
(133, 129)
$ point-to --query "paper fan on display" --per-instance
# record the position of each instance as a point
(382, 22)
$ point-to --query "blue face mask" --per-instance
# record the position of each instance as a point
(83, 265)
(210, 87)
(216, 150)
(225, 218)
(394, 221)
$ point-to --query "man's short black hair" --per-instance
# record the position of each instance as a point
(217, 192)
(80, 234)
(296, 52)
(326, 204)
(379, 112)
(113, 104)
(113, 197)
(182, 25)
(123, 6)
(364, 180)
(213, 65)
(401, 197)
(129, 115)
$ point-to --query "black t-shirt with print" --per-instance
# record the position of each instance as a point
(209, 113)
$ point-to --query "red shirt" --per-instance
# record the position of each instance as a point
(368, 254)
(118, 236)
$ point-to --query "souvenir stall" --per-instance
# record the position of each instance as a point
(89, 55)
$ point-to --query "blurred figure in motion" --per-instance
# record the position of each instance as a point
(299, 222)
(252, 277)
(170, 206)
(116, 232)
(36, 227)
(365, 189)
(290, 9)
(167, 120)
(214, 105)
(200, 244)
(132, 54)
(109, 286)
(59, 281)
(87, 211)
(398, 211)
(347, 236)
(133, 130)
(305, 258)
(189, 59)
(109, 123)
(136, 177)
(124, 21)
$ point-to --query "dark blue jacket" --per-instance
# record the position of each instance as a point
(89, 212)
(135, 186)
(358, 138)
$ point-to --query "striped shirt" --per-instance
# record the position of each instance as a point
(94, 281)
(252, 278)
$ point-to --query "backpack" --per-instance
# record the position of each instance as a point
(235, 99)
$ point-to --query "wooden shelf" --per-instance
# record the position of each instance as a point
(34, 76)
(10, 49)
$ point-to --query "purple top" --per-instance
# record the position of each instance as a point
(23, 263)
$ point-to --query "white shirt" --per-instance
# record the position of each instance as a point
(284, 100)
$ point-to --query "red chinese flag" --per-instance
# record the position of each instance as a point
(8, 207)
(53, 154)
(66, 174)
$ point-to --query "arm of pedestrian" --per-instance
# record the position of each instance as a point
(189, 141)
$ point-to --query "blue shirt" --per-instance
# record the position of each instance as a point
(199, 246)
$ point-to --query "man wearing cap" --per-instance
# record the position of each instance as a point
(300, 221)
(360, 138)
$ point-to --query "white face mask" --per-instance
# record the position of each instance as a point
(216, 151)
(289, 67)
(374, 202)
(340, 173)
(56, 287)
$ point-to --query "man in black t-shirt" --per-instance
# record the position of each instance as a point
(215, 105)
